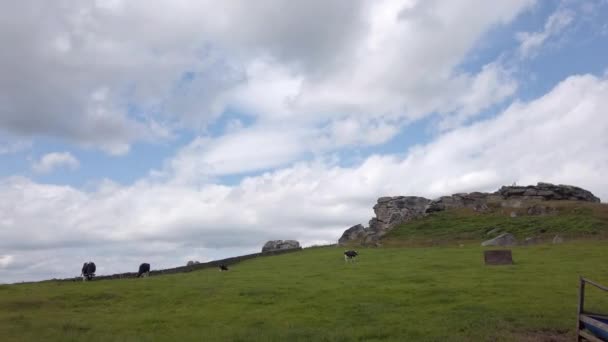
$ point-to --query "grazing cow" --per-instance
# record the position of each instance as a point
(144, 270)
(350, 255)
(88, 271)
(223, 268)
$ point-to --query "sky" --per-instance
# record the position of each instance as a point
(167, 131)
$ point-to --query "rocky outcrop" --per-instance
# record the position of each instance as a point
(477, 201)
(355, 233)
(514, 197)
(547, 192)
(390, 212)
(393, 211)
(504, 239)
(275, 245)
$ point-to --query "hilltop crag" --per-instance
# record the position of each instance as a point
(393, 211)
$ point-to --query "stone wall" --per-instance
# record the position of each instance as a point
(195, 267)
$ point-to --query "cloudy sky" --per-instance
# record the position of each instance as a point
(167, 131)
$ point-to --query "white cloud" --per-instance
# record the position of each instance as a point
(559, 137)
(51, 161)
(531, 43)
(83, 71)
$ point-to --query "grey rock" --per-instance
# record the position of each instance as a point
(504, 239)
(475, 200)
(393, 211)
(192, 262)
(355, 233)
(547, 192)
(531, 240)
(494, 231)
(557, 239)
(275, 245)
(372, 240)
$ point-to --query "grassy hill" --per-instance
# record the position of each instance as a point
(391, 294)
(580, 220)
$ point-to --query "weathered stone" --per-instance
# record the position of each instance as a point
(393, 211)
(192, 262)
(558, 239)
(355, 233)
(504, 239)
(372, 240)
(475, 200)
(547, 191)
(531, 240)
(493, 231)
(275, 245)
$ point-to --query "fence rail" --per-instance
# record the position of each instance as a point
(590, 326)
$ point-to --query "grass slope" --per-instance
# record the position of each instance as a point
(572, 219)
(391, 294)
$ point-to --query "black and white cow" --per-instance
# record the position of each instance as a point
(88, 271)
(350, 255)
(144, 270)
(223, 268)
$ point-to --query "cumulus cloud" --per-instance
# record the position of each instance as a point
(559, 137)
(54, 160)
(86, 71)
(531, 42)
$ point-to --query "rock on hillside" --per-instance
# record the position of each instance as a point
(357, 232)
(393, 211)
(547, 192)
(275, 245)
(504, 239)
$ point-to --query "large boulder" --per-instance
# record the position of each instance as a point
(275, 245)
(514, 197)
(547, 192)
(477, 201)
(493, 231)
(355, 233)
(504, 239)
(393, 211)
(531, 240)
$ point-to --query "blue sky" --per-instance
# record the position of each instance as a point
(224, 126)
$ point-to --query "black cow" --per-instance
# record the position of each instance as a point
(350, 255)
(144, 270)
(223, 268)
(88, 271)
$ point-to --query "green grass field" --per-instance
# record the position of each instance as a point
(391, 294)
(580, 220)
